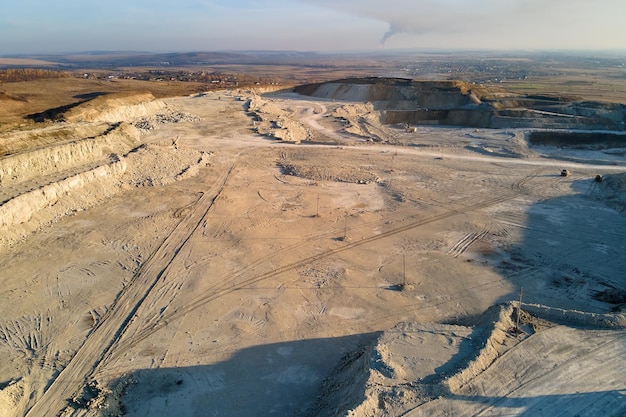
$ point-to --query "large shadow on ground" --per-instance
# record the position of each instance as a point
(56, 113)
(572, 250)
(277, 379)
(611, 402)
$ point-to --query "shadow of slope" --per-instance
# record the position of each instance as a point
(571, 250)
(89, 96)
(279, 379)
(558, 371)
(54, 113)
(591, 404)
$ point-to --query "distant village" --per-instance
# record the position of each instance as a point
(217, 79)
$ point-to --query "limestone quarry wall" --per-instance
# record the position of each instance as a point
(54, 158)
(577, 318)
(22, 208)
(460, 104)
(600, 140)
(80, 164)
(400, 97)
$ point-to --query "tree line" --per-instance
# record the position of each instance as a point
(13, 75)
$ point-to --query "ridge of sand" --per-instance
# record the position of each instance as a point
(416, 369)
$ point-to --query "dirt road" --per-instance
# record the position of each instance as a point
(102, 340)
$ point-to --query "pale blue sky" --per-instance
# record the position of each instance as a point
(45, 26)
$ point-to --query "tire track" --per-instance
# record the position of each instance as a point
(105, 336)
(462, 245)
(229, 286)
(544, 376)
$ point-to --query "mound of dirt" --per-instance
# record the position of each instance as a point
(302, 168)
(409, 364)
(440, 369)
(358, 119)
(147, 123)
(272, 121)
(10, 395)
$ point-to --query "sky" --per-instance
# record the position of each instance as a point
(61, 26)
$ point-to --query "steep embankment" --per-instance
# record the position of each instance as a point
(63, 155)
(458, 103)
(113, 108)
(54, 171)
(440, 369)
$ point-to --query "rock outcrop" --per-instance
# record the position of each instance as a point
(457, 103)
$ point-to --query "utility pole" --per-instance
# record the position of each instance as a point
(519, 310)
(403, 271)
(317, 210)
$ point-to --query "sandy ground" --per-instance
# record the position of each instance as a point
(243, 289)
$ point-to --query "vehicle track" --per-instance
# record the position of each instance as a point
(229, 285)
(544, 376)
(397, 217)
(104, 337)
(462, 245)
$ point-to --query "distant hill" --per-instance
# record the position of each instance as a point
(109, 59)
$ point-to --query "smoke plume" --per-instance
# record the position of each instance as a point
(495, 19)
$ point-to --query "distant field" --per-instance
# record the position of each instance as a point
(603, 84)
(17, 62)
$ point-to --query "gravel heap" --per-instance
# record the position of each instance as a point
(145, 124)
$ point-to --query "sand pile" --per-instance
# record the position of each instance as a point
(154, 121)
(360, 120)
(272, 121)
(409, 364)
(10, 394)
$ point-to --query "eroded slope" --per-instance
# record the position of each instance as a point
(458, 103)
(96, 152)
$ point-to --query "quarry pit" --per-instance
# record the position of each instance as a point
(350, 248)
